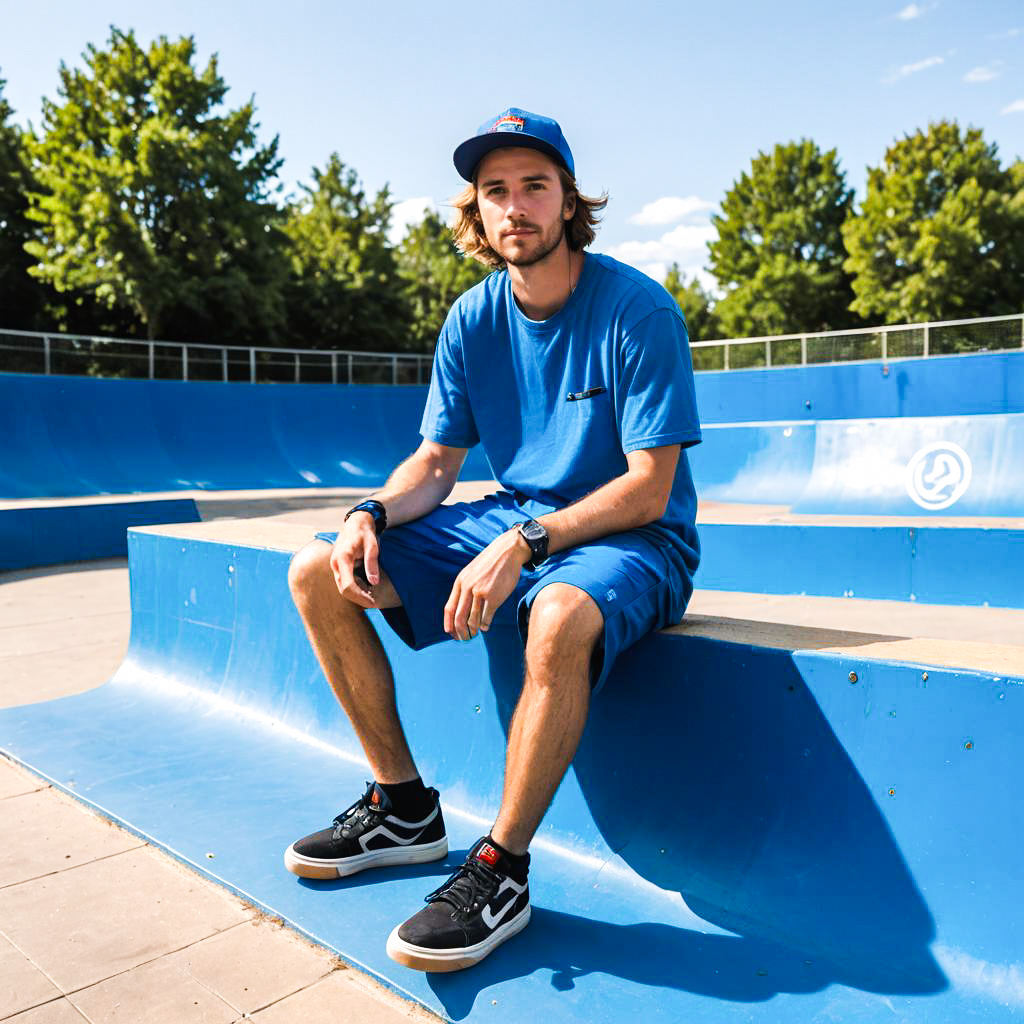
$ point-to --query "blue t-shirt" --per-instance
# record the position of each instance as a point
(558, 403)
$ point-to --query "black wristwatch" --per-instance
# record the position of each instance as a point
(537, 537)
(376, 509)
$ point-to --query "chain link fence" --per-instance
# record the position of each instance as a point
(79, 355)
(949, 337)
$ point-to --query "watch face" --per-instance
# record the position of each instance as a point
(533, 531)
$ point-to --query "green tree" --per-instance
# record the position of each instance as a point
(697, 305)
(940, 234)
(434, 274)
(154, 200)
(779, 252)
(344, 290)
(21, 297)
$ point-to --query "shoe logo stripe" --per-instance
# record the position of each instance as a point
(492, 920)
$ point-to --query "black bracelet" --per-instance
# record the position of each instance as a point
(376, 509)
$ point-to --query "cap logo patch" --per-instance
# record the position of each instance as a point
(488, 854)
(508, 123)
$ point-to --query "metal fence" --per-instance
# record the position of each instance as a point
(947, 337)
(80, 355)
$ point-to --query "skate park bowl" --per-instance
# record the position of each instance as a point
(763, 823)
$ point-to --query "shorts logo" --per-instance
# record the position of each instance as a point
(508, 123)
(938, 475)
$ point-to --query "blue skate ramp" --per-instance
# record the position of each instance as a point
(824, 828)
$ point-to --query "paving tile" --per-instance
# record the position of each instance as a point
(57, 1012)
(338, 1000)
(46, 637)
(161, 992)
(60, 1011)
(95, 921)
(22, 983)
(15, 780)
(255, 964)
(31, 678)
(46, 832)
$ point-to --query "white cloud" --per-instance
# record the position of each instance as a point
(686, 245)
(669, 209)
(1016, 107)
(913, 69)
(405, 214)
(910, 12)
(984, 73)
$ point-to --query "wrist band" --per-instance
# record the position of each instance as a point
(376, 509)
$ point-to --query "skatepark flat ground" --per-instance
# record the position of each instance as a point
(153, 940)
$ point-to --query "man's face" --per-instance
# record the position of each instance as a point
(522, 205)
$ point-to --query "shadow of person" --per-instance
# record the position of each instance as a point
(574, 949)
(710, 769)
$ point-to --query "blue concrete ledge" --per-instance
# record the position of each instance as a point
(748, 833)
(54, 534)
(934, 565)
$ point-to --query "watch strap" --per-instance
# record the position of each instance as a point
(376, 509)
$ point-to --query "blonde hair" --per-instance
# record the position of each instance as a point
(471, 240)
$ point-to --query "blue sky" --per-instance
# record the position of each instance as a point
(663, 104)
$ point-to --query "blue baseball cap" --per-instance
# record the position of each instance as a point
(514, 127)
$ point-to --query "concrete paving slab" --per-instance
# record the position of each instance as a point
(14, 780)
(92, 922)
(70, 631)
(60, 1011)
(337, 1000)
(22, 983)
(161, 992)
(27, 596)
(254, 964)
(46, 832)
(31, 678)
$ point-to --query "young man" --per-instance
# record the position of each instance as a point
(573, 372)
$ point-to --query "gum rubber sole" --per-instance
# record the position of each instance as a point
(442, 961)
(312, 867)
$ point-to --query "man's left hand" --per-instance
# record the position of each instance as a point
(484, 585)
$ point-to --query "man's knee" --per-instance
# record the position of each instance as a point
(310, 570)
(563, 617)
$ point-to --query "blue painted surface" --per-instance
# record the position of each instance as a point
(50, 535)
(71, 436)
(726, 847)
(960, 566)
(863, 467)
(74, 436)
(990, 383)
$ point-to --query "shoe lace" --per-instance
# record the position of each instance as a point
(355, 820)
(468, 889)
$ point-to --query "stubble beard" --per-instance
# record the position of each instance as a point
(533, 258)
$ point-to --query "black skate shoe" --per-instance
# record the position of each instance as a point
(368, 835)
(476, 910)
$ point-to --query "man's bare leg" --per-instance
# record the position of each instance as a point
(546, 728)
(353, 660)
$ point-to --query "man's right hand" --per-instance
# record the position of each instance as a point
(354, 560)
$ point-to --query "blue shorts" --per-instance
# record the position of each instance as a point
(633, 577)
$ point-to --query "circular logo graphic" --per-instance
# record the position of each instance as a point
(938, 475)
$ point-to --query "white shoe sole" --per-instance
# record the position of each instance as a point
(314, 867)
(421, 958)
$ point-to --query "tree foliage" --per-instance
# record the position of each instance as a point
(940, 234)
(21, 298)
(434, 274)
(697, 305)
(154, 199)
(344, 290)
(779, 252)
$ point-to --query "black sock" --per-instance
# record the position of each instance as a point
(410, 801)
(518, 863)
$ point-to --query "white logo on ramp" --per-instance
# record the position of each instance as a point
(938, 475)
